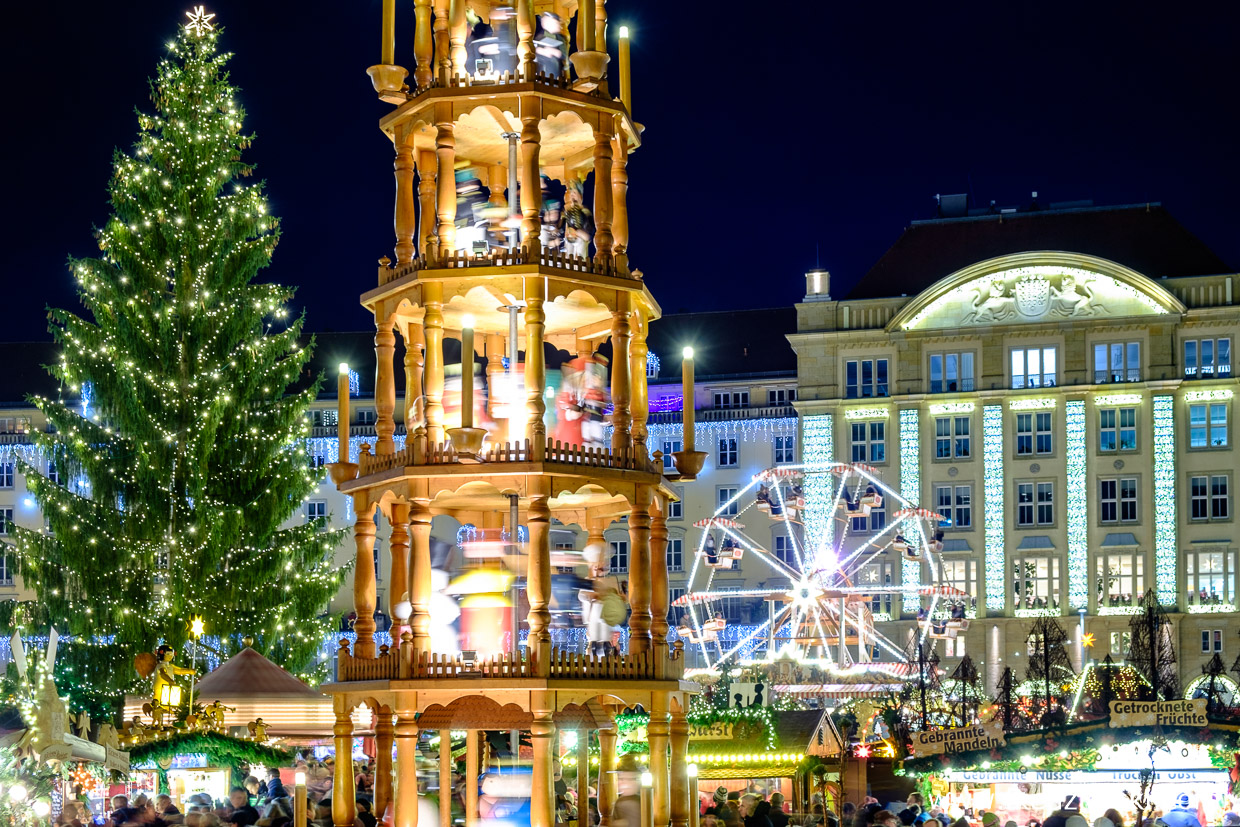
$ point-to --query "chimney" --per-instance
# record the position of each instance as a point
(818, 286)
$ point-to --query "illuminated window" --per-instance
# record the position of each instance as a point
(865, 377)
(1034, 434)
(1207, 425)
(952, 437)
(14, 425)
(1207, 358)
(316, 512)
(53, 473)
(1117, 500)
(725, 495)
(619, 562)
(1036, 582)
(6, 517)
(6, 474)
(1033, 367)
(962, 575)
(785, 449)
(1120, 642)
(953, 647)
(1211, 640)
(1210, 578)
(1117, 429)
(675, 555)
(731, 399)
(1120, 577)
(727, 453)
(323, 418)
(955, 503)
(869, 442)
(1117, 362)
(1210, 498)
(669, 448)
(951, 372)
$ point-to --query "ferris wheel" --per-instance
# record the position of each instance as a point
(831, 566)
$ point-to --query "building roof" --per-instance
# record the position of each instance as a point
(726, 343)
(248, 673)
(1144, 237)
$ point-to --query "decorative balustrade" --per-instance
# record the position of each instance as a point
(501, 257)
(442, 453)
(408, 664)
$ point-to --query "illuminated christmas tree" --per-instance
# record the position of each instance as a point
(1152, 649)
(170, 479)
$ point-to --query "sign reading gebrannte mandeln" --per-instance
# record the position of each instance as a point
(1159, 713)
(960, 739)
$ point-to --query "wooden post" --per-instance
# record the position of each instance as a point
(405, 811)
(538, 578)
(639, 571)
(659, 594)
(640, 406)
(405, 213)
(602, 193)
(535, 367)
(385, 386)
(399, 550)
(427, 237)
(658, 731)
(383, 759)
(471, 777)
(620, 201)
(445, 177)
(583, 774)
(620, 375)
(432, 321)
(424, 72)
(531, 186)
(344, 800)
(495, 370)
(684, 797)
(445, 778)
(606, 770)
(443, 56)
(542, 735)
(364, 583)
(415, 363)
(458, 29)
(420, 571)
(526, 64)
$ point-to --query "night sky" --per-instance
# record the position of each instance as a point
(777, 133)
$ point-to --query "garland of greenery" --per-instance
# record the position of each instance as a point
(223, 750)
(762, 716)
(1076, 748)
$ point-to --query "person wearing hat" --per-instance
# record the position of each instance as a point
(989, 819)
(1077, 820)
(720, 798)
(1181, 815)
(1059, 818)
(1229, 820)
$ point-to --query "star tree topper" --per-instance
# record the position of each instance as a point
(199, 21)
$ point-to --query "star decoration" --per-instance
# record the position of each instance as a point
(1087, 640)
(197, 627)
(199, 21)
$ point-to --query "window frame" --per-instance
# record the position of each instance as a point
(1224, 576)
(965, 384)
(868, 441)
(1037, 435)
(855, 386)
(1107, 374)
(676, 508)
(675, 552)
(619, 553)
(1117, 429)
(1035, 504)
(1211, 641)
(8, 474)
(1197, 369)
(1119, 500)
(6, 517)
(728, 452)
(730, 400)
(1209, 498)
(1136, 577)
(1209, 427)
(1025, 374)
(720, 499)
(311, 506)
(670, 446)
(1054, 578)
(952, 439)
(785, 448)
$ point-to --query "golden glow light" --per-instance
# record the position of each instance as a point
(197, 627)
(199, 21)
(687, 353)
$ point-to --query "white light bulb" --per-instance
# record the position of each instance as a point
(468, 321)
(688, 353)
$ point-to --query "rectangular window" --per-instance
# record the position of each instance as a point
(963, 512)
(1035, 503)
(1207, 358)
(1208, 497)
(1207, 425)
(951, 372)
(1034, 434)
(676, 508)
(6, 517)
(1046, 503)
(962, 575)
(619, 562)
(673, 612)
(1117, 429)
(318, 460)
(727, 501)
(731, 399)
(1211, 640)
(1033, 367)
(1119, 644)
(6, 474)
(781, 396)
(1117, 500)
(1117, 362)
(784, 550)
(878, 573)
(876, 521)
(675, 555)
(953, 647)
(1210, 578)
(869, 442)
(1121, 578)
(365, 416)
(316, 512)
(7, 562)
(14, 425)
(1036, 582)
(1024, 503)
(53, 473)
(785, 449)
(952, 438)
(727, 453)
(670, 447)
(943, 496)
(865, 378)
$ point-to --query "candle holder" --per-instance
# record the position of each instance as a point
(389, 81)
(689, 463)
(467, 442)
(590, 67)
(342, 472)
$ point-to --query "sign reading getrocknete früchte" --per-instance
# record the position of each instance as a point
(960, 739)
(1159, 713)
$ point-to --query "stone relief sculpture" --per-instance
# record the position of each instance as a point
(990, 304)
(1074, 297)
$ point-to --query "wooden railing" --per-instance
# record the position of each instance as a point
(408, 664)
(501, 257)
(441, 453)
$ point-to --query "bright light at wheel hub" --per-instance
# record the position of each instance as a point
(805, 593)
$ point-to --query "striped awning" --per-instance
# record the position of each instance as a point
(718, 521)
(837, 690)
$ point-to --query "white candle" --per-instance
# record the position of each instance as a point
(626, 89)
(467, 371)
(686, 371)
(342, 413)
(388, 47)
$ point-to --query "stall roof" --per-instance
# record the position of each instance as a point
(248, 673)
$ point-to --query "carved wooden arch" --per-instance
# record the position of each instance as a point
(563, 484)
(475, 712)
(576, 717)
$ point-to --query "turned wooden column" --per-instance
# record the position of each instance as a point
(344, 800)
(445, 177)
(583, 767)
(495, 370)
(385, 386)
(600, 25)
(458, 29)
(399, 549)
(659, 593)
(683, 796)
(531, 187)
(405, 800)
(423, 48)
(542, 735)
(620, 200)
(383, 759)
(640, 404)
(420, 570)
(538, 578)
(603, 240)
(606, 772)
(443, 53)
(432, 330)
(427, 237)
(639, 571)
(405, 215)
(620, 437)
(445, 777)
(472, 759)
(658, 731)
(535, 368)
(415, 363)
(497, 181)
(526, 64)
(364, 582)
